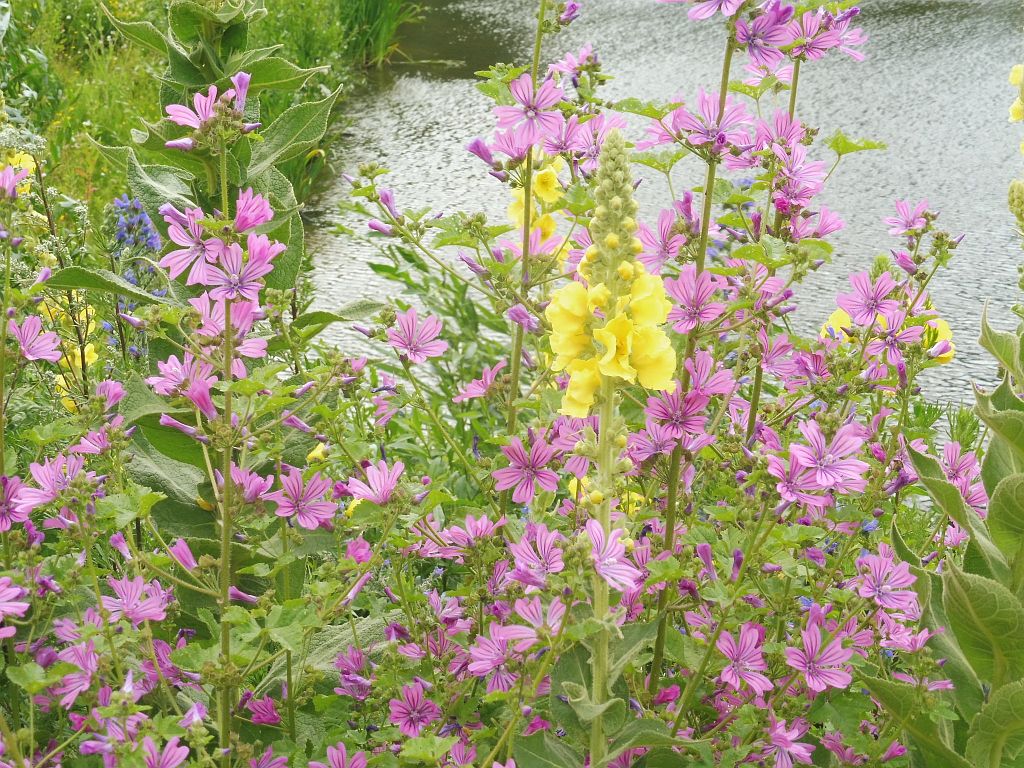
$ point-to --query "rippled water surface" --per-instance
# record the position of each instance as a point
(933, 88)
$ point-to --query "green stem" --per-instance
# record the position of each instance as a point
(670, 534)
(227, 497)
(3, 358)
(605, 478)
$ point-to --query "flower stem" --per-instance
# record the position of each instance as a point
(605, 477)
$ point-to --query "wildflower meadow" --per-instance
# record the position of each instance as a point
(580, 492)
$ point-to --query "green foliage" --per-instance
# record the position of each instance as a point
(977, 604)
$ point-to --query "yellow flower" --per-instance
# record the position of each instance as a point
(1017, 111)
(23, 161)
(648, 302)
(317, 454)
(584, 381)
(568, 314)
(598, 296)
(64, 387)
(617, 339)
(73, 356)
(547, 186)
(833, 327)
(943, 333)
(547, 225)
(654, 358)
(1017, 75)
(351, 508)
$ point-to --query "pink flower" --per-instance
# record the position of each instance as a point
(693, 294)
(907, 220)
(540, 621)
(526, 470)
(489, 657)
(892, 334)
(206, 109)
(832, 468)
(705, 9)
(182, 553)
(663, 246)
(679, 413)
(189, 377)
(52, 478)
(413, 712)
(111, 391)
(34, 344)
(868, 299)
(415, 340)
(172, 755)
(185, 229)
(883, 581)
(380, 484)
(705, 126)
(480, 387)
(233, 278)
(9, 180)
(9, 488)
(530, 117)
(251, 211)
(784, 745)
(822, 668)
(609, 558)
(746, 662)
(136, 600)
(304, 501)
(536, 556)
(264, 711)
(337, 757)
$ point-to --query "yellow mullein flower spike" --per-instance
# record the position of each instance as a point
(584, 381)
(617, 339)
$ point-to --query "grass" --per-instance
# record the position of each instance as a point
(91, 83)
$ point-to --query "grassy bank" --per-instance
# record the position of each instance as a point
(69, 69)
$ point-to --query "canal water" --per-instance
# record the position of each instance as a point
(933, 88)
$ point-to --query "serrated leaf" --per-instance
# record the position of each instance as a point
(102, 280)
(997, 732)
(901, 701)
(842, 144)
(543, 750)
(988, 621)
(297, 130)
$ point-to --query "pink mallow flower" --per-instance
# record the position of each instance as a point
(136, 600)
(380, 484)
(884, 581)
(264, 712)
(821, 667)
(338, 757)
(868, 299)
(784, 747)
(746, 661)
(609, 557)
(532, 117)
(417, 340)
(413, 711)
(305, 502)
(526, 470)
(693, 294)
(34, 344)
(480, 387)
(171, 756)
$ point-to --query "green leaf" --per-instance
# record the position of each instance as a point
(842, 144)
(103, 280)
(1007, 424)
(178, 514)
(189, 19)
(1003, 346)
(586, 708)
(141, 32)
(155, 185)
(1006, 515)
(649, 109)
(427, 749)
(949, 499)
(967, 694)
(280, 74)
(297, 130)
(997, 733)
(542, 750)
(988, 621)
(644, 732)
(635, 637)
(30, 677)
(902, 703)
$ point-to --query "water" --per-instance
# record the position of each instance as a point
(933, 88)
